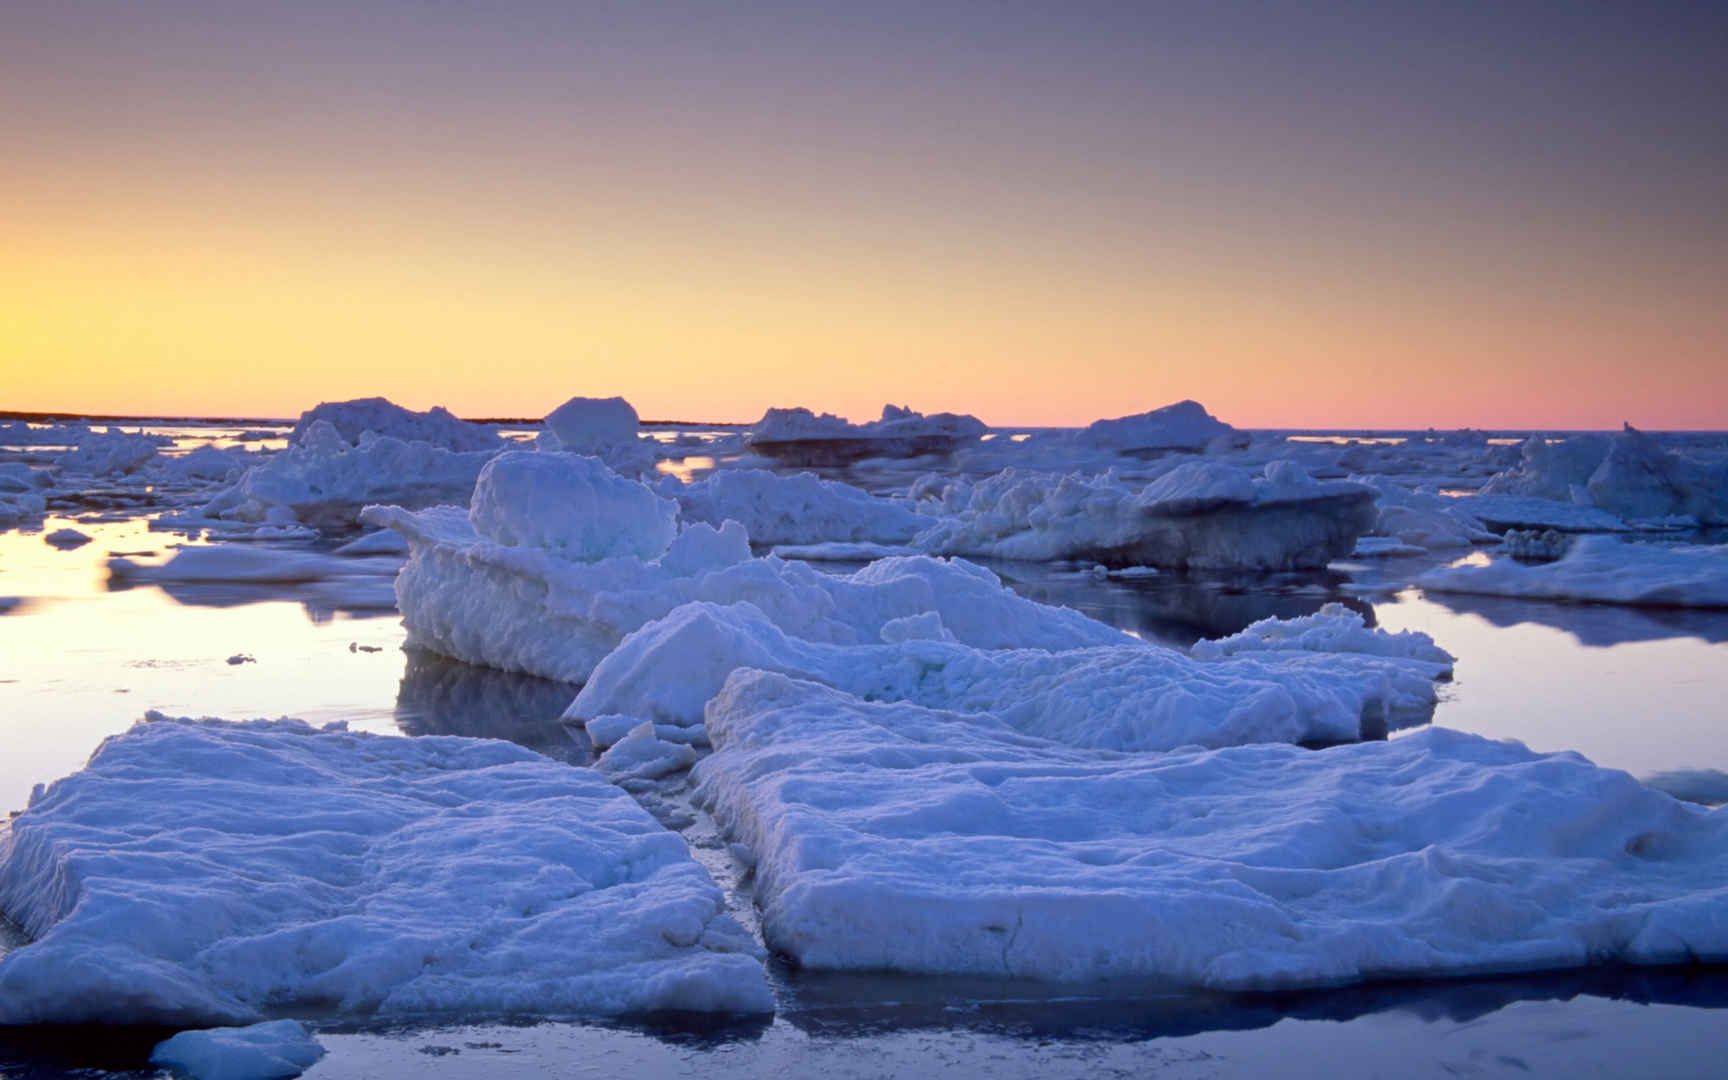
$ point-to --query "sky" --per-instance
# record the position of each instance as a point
(1350, 215)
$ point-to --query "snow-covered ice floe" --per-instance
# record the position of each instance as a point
(560, 558)
(1605, 570)
(1322, 679)
(1199, 514)
(352, 420)
(274, 1050)
(1630, 475)
(1531, 512)
(197, 873)
(323, 480)
(895, 837)
(1186, 425)
(795, 510)
(801, 438)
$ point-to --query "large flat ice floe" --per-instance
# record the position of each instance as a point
(893, 837)
(1604, 570)
(199, 873)
(1198, 514)
(1320, 683)
(500, 598)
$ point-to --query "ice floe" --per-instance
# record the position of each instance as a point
(351, 420)
(198, 873)
(796, 510)
(323, 481)
(894, 837)
(1602, 569)
(800, 437)
(1198, 514)
(1130, 696)
(273, 1050)
(1186, 425)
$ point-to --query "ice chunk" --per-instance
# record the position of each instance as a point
(1533, 546)
(1602, 569)
(571, 506)
(1129, 696)
(1333, 629)
(800, 437)
(1185, 425)
(199, 873)
(1198, 514)
(108, 454)
(593, 425)
(1529, 512)
(524, 609)
(643, 755)
(352, 419)
(378, 542)
(275, 1050)
(799, 509)
(67, 538)
(1640, 479)
(1551, 470)
(325, 482)
(1422, 520)
(893, 837)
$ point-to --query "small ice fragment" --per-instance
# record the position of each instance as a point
(242, 658)
(66, 539)
(270, 1051)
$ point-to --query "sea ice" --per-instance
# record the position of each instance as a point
(1602, 569)
(571, 506)
(353, 419)
(1128, 696)
(260, 565)
(274, 1050)
(800, 509)
(894, 837)
(801, 438)
(323, 481)
(199, 872)
(1186, 425)
(525, 608)
(1198, 514)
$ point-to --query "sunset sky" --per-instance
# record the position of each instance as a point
(1353, 215)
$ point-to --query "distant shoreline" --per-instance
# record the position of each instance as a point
(41, 417)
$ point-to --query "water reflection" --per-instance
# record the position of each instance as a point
(440, 696)
(1594, 625)
(861, 1005)
(1180, 609)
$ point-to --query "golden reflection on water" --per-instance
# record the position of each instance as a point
(687, 469)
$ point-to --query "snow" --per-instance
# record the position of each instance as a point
(1126, 696)
(1186, 425)
(642, 755)
(800, 509)
(571, 506)
(353, 419)
(1602, 569)
(525, 609)
(322, 481)
(1422, 519)
(1198, 514)
(1335, 628)
(893, 837)
(1551, 470)
(208, 463)
(1630, 475)
(198, 873)
(276, 1050)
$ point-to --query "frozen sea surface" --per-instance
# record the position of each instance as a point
(1638, 689)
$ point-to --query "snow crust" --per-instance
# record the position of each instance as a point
(275, 1050)
(1602, 569)
(894, 837)
(353, 419)
(200, 872)
(1127, 696)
